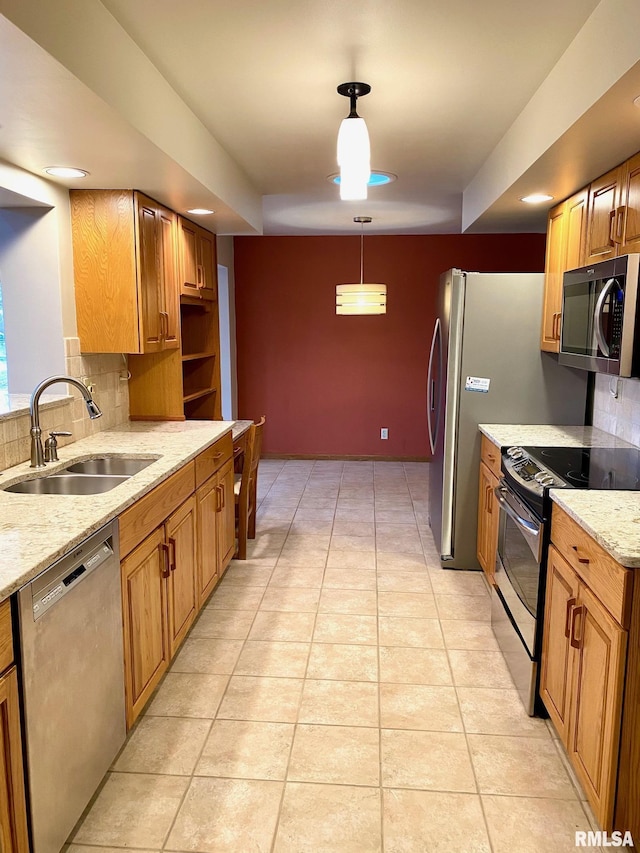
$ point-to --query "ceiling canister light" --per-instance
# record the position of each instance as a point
(361, 298)
(354, 151)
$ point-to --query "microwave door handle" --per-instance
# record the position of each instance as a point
(531, 528)
(599, 316)
(431, 390)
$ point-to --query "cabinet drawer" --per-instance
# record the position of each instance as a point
(140, 519)
(213, 458)
(6, 636)
(607, 579)
(490, 455)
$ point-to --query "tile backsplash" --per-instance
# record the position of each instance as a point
(619, 416)
(106, 373)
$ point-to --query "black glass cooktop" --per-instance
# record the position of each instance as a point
(592, 467)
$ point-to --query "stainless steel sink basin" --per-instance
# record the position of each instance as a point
(118, 465)
(68, 484)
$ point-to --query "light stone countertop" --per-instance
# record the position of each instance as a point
(37, 529)
(548, 435)
(612, 518)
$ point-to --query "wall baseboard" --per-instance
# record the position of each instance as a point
(324, 456)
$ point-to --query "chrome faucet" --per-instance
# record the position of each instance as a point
(37, 453)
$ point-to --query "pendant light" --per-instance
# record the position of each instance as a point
(354, 151)
(361, 298)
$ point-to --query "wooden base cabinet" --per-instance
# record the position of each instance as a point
(583, 658)
(13, 810)
(488, 509)
(175, 546)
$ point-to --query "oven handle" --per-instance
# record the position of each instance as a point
(530, 526)
(599, 327)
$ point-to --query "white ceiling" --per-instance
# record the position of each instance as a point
(234, 104)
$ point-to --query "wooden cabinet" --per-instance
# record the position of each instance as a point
(125, 272)
(181, 539)
(566, 231)
(488, 513)
(198, 261)
(13, 812)
(488, 510)
(630, 236)
(604, 216)
(146, 643)
(175, 545)
(583, 657)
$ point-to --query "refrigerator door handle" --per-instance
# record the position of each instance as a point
(431, 388)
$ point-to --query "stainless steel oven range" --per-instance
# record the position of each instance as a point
(528, 474)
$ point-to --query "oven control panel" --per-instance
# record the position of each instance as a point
(529, 472)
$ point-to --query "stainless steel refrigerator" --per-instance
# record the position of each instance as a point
(485, 366)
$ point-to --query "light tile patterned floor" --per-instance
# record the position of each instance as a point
(339, 692)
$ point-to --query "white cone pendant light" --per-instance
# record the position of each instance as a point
(354, 150)
(361, 298)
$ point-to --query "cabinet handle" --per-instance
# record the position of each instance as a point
(487, 500)
(570, 604)
(576, 642)
(218, 499)
(172, 561)
(217, 455)
(620, 212)
(491, 457)
(612, 219)
(161, 316)
(165, 559)
(556, 326)
(583, 560)
(166, 323)
(200, 275)
(222, 493)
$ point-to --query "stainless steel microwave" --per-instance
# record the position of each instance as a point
(600, 317)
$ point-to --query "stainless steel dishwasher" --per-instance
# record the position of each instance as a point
(70, 619)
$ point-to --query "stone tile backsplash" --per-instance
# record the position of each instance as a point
(105, 372)
(619, 416)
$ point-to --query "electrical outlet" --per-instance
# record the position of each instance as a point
(384, 432)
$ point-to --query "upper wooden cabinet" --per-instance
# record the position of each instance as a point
(614, 213)
(125, 272)
(566, 234)
(198, 261)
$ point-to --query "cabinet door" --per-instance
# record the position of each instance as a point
(602, 239)
(188, 239)
(146, 649)
(576, 232)
(487, 522)
(553, 269)
(208, 499)
(631, 207)
(13, 814)
(167, 225)
(594, 732)
(150, 307)
(226, 517)
(555, 675)
(181, 585)
(208, 265)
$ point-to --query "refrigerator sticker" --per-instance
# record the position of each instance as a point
(477, 383)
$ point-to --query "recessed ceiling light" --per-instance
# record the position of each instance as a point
(536, 198)
(636, 101)
(66, 172)
(200, 211)
(377, 179)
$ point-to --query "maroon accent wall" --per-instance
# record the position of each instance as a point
(328, 383)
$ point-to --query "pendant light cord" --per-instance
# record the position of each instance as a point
(361, 252)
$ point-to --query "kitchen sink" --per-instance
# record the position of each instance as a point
(68, 484)
(118, 465)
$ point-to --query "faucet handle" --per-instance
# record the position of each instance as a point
(51, 446)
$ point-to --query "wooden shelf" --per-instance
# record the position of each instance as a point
(198, 394)
(193, 356)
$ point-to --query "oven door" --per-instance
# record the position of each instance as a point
(518, 562)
